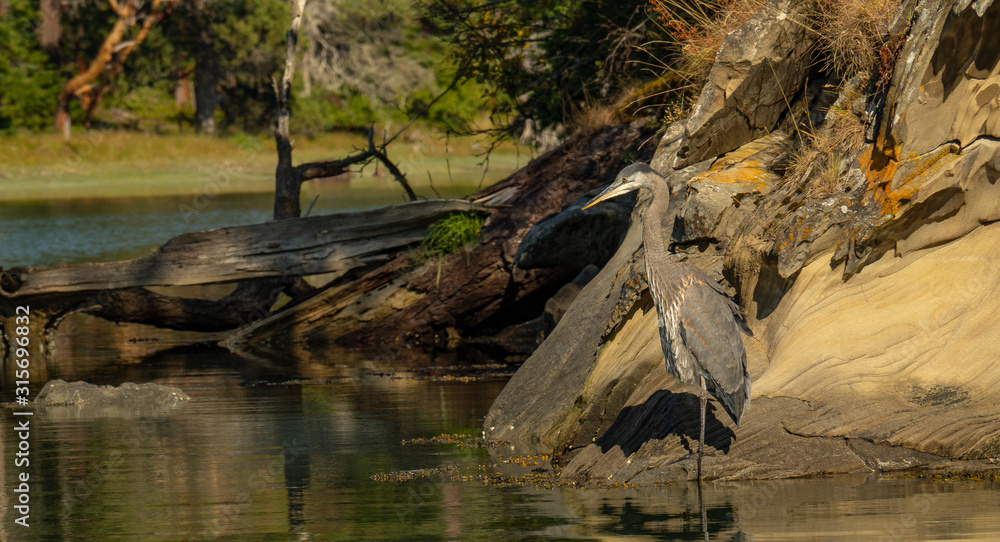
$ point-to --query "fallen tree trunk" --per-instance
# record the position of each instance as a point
(265, 258)
(484, 291)
(334, 243)
(250, 301)
(480, 291)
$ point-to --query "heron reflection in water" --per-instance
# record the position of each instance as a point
(699, 325)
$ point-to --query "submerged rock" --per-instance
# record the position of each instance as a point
(127, 399)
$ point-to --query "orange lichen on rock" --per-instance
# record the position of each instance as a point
(879, 171)
(749, 165)
(891, 182)
(752, 174)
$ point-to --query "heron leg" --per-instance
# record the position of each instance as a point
(703, 397)
(704, 513)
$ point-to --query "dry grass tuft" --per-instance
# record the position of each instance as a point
(667, 96)
(591, 119)
(699, 27)
(827, 152)
(853, 32)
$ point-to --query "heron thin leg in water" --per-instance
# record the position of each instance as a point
(703, 398)
(704, 512)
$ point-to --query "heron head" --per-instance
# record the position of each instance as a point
(636, 176)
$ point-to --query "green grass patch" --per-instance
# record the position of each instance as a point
(450, 234)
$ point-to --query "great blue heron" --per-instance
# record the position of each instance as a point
(699, 325)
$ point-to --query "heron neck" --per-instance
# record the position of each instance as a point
(653, 237)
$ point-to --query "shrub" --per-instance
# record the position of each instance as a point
(540, 62)
(29, 83)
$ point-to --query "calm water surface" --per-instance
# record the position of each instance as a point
(286, 449)
(270, 453)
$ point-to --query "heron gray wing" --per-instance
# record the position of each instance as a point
(712, 335)
(679, 362)
(741, 319)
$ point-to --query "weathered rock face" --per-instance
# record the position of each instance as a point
(759, 71)
(934, 165)
(947, 84)
(715, 197)
(873, 301)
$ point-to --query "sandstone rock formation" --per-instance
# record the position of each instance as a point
(871, 278)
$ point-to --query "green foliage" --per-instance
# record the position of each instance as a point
(29, 82)
(545, 60)
(457, 110)
(397, 66)
(378, 61)
(148, 108)
(245, 39)
(325, 111)
(450, 234)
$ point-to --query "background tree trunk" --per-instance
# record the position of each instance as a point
(287, 181)
(49, 29)
(109, 58)
(206, 82)
(81, 84)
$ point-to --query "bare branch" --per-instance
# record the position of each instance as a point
(330, 168)
(379, 153)
(400, 178)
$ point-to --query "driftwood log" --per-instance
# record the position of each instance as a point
(374, 289)
(264, 258)
(334, 243)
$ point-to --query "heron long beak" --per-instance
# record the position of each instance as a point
(616, 189)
